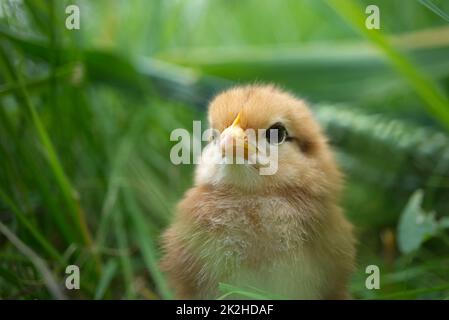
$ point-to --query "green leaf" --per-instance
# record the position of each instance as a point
(247, 292)
(415, 225)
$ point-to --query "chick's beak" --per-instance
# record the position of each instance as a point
(234, 141)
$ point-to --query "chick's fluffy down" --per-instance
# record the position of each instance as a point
(285, 233)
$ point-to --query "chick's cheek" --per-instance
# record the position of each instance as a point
(290, 160)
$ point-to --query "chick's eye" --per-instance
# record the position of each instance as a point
(278, 138)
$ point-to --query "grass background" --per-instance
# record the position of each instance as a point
(85, 119)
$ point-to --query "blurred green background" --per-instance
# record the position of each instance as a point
(86, 115)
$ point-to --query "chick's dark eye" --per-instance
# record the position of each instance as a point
(278, 138)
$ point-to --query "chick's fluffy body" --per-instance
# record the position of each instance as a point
(285, 233)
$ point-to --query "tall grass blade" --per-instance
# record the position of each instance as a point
(107, 275)
(146, 245)
(436, 101)
(40, 238)
(433, 7)
(63, 181)
(41, 266)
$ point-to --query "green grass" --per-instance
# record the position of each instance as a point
(86, 115)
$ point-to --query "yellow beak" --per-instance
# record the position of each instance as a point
(234, 141)
(237, 120)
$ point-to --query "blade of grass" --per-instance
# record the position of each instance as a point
(125, 261)
(39, 263)
(124, 150)
(62, 74)
(67, 190)
(51, 251)
(147, 247)
(13, 175)
(432, 7)
(106, 277)
(436, 102)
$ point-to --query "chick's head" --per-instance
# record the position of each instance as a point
(279, 121)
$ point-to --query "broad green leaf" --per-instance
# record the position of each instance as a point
(232, 291)
(415, 225)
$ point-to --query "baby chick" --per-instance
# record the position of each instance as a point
(283, 233)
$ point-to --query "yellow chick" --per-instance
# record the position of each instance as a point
(282, 233)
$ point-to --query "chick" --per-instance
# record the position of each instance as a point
(283, 233)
